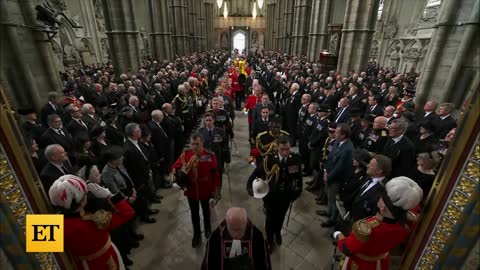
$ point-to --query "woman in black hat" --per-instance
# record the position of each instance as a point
(82, 152)
(425, 140)
(361, 158)
(113, 132)
(99, 144)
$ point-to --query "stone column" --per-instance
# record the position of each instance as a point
(90, 26)
(179, 27)
(122, 35)
(278, 35)
(318, 35)
(270, 14)
(300, 26)
(452, 60)
(160, 36)
(200, 25)
(210, 34)
(288, 26)
(27, 69)
(357, 32)
(191, 27)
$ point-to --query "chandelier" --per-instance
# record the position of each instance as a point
(225, 10)
(254, 11)
(219, 3)
(260, 4)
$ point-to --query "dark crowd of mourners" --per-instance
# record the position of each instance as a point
(106, 145)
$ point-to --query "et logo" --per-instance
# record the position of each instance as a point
(44, 233)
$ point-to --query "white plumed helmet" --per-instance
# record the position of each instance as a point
(67, 189)
(404, 192)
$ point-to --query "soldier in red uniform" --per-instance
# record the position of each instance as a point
(201, 169)
(87, 235)
(371, 240)
(252, 100)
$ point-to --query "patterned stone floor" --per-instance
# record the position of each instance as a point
(167, 243)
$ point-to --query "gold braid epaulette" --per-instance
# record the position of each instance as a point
(274, 171)
(192, 163)
(101, 218)
(362, 229)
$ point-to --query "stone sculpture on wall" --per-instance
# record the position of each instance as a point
(224, 40)
(333, 45)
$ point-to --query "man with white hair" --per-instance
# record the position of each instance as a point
(293, 105)
(236, 244)
(372, 239)
(56, 166)
(161, 142)
(184, 109)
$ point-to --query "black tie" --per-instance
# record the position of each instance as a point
(365, 186)
(65, 170)
(210, 133)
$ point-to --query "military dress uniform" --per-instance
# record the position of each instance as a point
(317, 142)
(284, 176)
(266, 143)
(369, 244)
(216, 141)
(222, 120)
(183, 109)
(204, 183)
(306, 129)
(376, 140)
(302, 117)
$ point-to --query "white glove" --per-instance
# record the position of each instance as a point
(99, 191)
(336, 234)
(212, 202)
(245, 113)
(253, 165)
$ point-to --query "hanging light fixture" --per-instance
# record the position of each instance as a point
(219, 3)
(254, 11)
(225, 11)
(260, 4)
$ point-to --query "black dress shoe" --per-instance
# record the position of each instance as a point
(148, 220)
(328, 223)
(153, 211)
(310, 182)
(133, 244)
(166, 185)
(278, 238)
(138, 236)
(127, 261)
(196, 241)
(322, 213)
(320, 202)
(156, 200)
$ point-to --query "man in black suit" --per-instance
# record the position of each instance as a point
(264, 103)
(338, 167)
(260, 124)
(175, 131)
(400, 149)
(57, 165)
(54, 105)
(161, 143)
(429, 114)
(365, 199)
(343, 112)
(56, 134)
(292, 107)
(374, 108)
(138, 167)
(76, 126)
(355, 98)
(90, 116)
(445, 122)
(30, 127)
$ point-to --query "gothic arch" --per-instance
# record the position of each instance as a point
(394, 53)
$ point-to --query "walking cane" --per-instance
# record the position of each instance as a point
(289, 212)
(334, 256)
(229, 186)
(235, 145)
